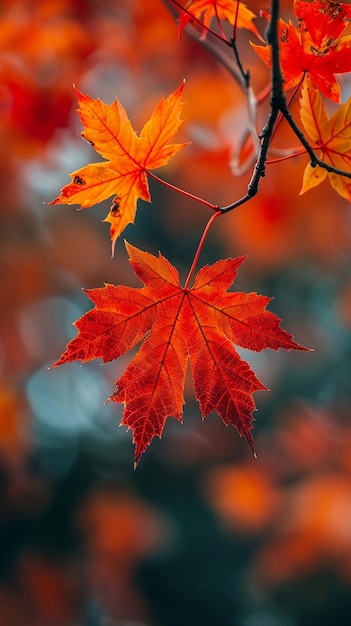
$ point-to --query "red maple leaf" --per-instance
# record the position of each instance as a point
(315, 47)
(201, 323)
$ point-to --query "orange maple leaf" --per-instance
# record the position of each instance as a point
(228, 10)
(329, 137)
(108, 129)
(315, 47)
(200, 323)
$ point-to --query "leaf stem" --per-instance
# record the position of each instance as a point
(200, 246)
(286, 157)
(214, 207)
(219, 24)
(209, 45)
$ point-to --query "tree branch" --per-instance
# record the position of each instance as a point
(234, 68)
(277, 99)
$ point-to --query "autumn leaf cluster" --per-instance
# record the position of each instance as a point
(203, 322)
(311, 55)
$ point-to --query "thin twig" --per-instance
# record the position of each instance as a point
(260, 165)
(277, 95)
(208, 44)
(234, 68)
(170, 4)
(314, 160)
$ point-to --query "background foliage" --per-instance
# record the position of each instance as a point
(201, 533)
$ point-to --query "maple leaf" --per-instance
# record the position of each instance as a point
(321, 22)
(329, 137)
(129, 156)
(315, 47)
(228, 10)
(201, 323)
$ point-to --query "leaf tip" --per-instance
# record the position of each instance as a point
(55, 201)
(129, 247)
(56, 364)
(179, 91)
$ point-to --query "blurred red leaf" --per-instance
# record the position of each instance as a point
(314, 531)
(52, 589)
(12, 442)
(245, 498)
(120, 525)
(228, 10)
